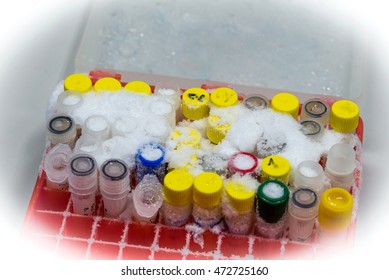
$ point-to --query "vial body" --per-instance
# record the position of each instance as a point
(55, 165)
(147, 199)
(176, 215)
(83, 183)
(237, 223)
(150, 160)
(62, 129)
(303, 207)
(271, 209)
(207, 217)
(114, 186)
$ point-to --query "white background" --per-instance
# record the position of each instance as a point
(37, 40)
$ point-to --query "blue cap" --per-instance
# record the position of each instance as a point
(154, 162)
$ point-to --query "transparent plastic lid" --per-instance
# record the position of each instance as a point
(285, 46)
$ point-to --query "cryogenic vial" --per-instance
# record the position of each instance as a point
(334, 216)
(340, 166)
(97, 126)
(207, 193)
(312, 129)
(138, 87)
(55, 165)
(242, 163)
(344, 116)
(124, 126)
(165, 111)
(256, 102)
(83, 182)
(147, 199)
(78, 82)
(302, 209)
(310, 174)
(275, 168)
(195, 103)
(316, 110)
(238, 205)
(158, 129)
(107, 84)
(114, 184)
(224, 97)
(169, 91)
(217, 129)
(177, 192)
(286, 103)
(62, 129)
(68, 101)
(150, 159)
(272, 204)
(88, 145)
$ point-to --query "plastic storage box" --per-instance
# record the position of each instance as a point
(51, 222)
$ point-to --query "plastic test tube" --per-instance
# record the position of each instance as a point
(177, 191)
(207, 193)
(310, 174)
(138, 87)
(316, 110)
(96, 126)
(67, 102)
(114, 184)
(217, 129)
(164, 110)
(238, 207)
(170, 91)
(147, 199)
(78, 82)
(272, 203)
(243, 163)
(312, 129)
(62, 129)
(83, 182)
(303, 207)
(150, 159)
(55, 165)
(224, 97)
(195, 103)
(340, 166)
(334, 217)
(256, 102)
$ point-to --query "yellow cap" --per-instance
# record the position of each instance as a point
(335, 209)
(286, 103)
(195, 103)
(138, 87)
(224, 97)
(187, 136)
(344, 116)
(207, 189)
(108, 84)
(216, 131)
(240, 197)
(177, 187)
(78, 82)
(275, 168)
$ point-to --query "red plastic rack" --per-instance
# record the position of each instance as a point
(51, 224)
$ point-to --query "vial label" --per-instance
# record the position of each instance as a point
(300, 230)
(207, 218)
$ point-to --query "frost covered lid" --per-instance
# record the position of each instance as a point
(151, 154)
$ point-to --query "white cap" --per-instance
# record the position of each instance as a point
(341, 161)
(97, 126)
(68, 101)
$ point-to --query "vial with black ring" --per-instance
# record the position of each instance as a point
(302, 213)
(61, 129)
(114, 181)
(316, 110)
(83, 183)
(312, 129)
(256, 102)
